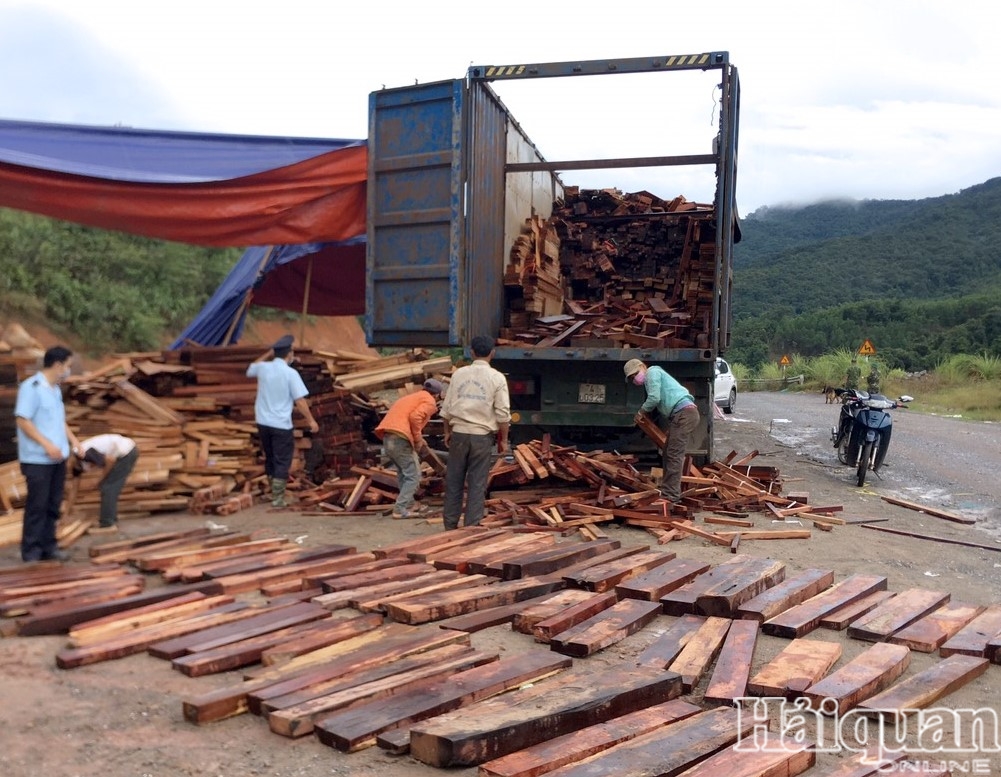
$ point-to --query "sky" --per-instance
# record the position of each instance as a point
(858, 100)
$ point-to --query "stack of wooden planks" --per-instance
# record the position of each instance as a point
(615, 269)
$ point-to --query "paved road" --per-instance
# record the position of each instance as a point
(948, 462)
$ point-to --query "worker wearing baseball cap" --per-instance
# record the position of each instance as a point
(676, 413)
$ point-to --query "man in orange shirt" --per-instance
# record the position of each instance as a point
(401, 432)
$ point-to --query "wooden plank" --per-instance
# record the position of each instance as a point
(926, 687)
(606, 628)
(377, 603)
(554, 559)
(652, 585)
(298, 720)
(492, 616)
(547, 628)
(929, 633)
(896, 613)
(935, 512)
(357, 727)
(666, 647)
(748, 579)
(436, 606)
(330, 632)
(604, 577)
(728, 681)
(372, 648)
(788, 593)
(496, 727)
(524, 621)
(843, 616)
(972, 639)
(682, 600)
(803, 618)
(578, 745)
(868, 673)
(801, 663)
(700, 651)
(668, 750)
(784, 758)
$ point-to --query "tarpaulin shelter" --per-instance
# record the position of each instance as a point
(299, 201)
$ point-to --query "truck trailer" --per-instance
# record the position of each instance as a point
(462, 206)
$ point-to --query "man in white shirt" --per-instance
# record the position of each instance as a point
(116, 455)
(280, 389)
(477, 412)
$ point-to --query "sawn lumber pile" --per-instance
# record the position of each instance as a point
(613, 269)
(363, 648)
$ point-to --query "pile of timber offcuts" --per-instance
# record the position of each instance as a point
(191, 413)
(364, 648)
(613, 269)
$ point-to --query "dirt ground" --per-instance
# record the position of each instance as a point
(123, 718)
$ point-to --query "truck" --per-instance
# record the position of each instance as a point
(454, 181)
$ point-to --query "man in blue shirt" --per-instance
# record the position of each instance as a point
(44, 441)
(677, 415)
(279, 390)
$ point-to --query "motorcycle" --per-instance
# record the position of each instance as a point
(862, 436)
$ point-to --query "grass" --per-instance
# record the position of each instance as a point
(964, 385)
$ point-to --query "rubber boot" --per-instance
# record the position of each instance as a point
(278, 493)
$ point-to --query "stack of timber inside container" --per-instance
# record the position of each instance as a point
(613, 269)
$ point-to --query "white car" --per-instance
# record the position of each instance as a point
(725, 386)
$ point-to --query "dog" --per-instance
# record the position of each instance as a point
(830, 395)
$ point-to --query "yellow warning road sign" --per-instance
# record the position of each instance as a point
(867, 349)
(785, 361)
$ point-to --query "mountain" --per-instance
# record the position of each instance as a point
(922, 277)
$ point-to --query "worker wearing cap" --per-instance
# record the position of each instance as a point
(280, 389)
(401, 431)
(677, 414)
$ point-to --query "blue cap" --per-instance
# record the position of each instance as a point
(284, 343)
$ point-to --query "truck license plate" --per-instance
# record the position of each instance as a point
(593, 393)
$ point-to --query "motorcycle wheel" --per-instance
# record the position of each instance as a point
(863, 462)
(843, 451)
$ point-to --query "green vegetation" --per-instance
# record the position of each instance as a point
(115, 292)
(921, 279)
(963, 385)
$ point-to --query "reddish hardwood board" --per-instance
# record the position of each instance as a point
(700, 651)
(803, 618)
(492, 616)
(549, 561)
(298, 720)
(896, 613)
(870, 763)
(357, 727)
(552, 605)
(843, 616)
(789, 592)
(682, 600)
(547, 628)
(666, 647)
(972, 639)
(604, 577)
(747, 580)
(922, 689)
(460, 559)
(436, 606)
(668, 750)
(351, 582)
(785, 759)
(606, 628)
(868, 673)
(350, 598)
(378, 603)
(328, 632)
(929, 633)
(555, 707)
(403, 547)
(801, 663)
(728, 681)
(652, 585)
(578, 745)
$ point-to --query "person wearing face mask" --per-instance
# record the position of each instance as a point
(44, 442)
(676, 413)
(280, 390)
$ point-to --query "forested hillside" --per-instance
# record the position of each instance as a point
(920, 278)
(115, 292)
